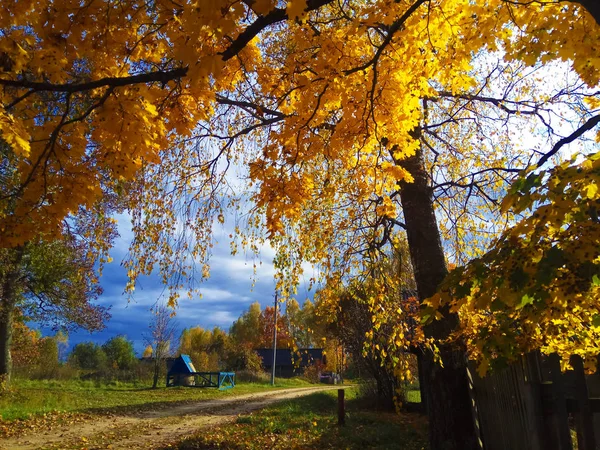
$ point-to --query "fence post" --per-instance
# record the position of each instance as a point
(583, 416)
(341, 408)
(559, 416)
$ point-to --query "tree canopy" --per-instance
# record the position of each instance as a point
(352, 119)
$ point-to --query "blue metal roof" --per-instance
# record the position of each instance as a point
(183, 364)
(188, 362)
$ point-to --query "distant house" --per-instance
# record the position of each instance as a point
(289, 363)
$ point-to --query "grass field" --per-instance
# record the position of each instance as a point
(311, 423)
(30, 398)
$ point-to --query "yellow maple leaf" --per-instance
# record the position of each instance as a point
(296, 9)
(592, 191)
(262, 7)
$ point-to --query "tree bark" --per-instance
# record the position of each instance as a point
(6, 320)
(446, 388)
(8, 299)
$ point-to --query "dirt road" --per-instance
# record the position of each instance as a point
(151, 429)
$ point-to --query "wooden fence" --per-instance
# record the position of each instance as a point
(531, 405)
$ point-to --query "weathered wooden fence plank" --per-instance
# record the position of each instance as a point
(559, 415)
(527, 405)
(509, 407)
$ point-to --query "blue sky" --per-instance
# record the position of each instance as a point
(225, 295)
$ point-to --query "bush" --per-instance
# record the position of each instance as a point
(313, 372)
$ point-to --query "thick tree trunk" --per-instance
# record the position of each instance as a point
(6, 320)
(8, 299)
(446, 388)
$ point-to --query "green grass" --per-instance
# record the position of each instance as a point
(413, 396)
(311, 422)
(28, 398)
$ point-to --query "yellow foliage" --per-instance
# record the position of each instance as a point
(538, 287)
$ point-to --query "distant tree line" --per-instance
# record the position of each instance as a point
(342, 337)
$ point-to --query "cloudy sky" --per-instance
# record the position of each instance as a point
(230, 290)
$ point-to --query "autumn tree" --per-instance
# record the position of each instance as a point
(537, 288)
(48, 357)
(24, 344)
(246, 330)
(328, 105)
(88, 356)
(267, 321)
(306, 330)
(119, 353)
(208, 349)
(375, 317)
(161, 334)
(147, 352)
(34, 355)
(52, 283)
(52, 278)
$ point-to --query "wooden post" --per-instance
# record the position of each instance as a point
(341, 408)
(583, 416)
(559, 417)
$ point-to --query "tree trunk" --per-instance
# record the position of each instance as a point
(8, 300)
(156, 372)
(446, 388)
(6, 320)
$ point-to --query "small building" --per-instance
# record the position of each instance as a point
(181, 371)
(289, 363)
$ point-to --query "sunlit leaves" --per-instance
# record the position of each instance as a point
(538, 285)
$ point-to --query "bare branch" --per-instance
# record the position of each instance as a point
(570, 138)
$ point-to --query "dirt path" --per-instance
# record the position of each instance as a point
(152, 429)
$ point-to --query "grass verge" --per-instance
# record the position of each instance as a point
(28, 398)
(311, 423)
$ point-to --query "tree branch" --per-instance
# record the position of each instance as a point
(150, 77)
(570, 138)
(274, 16)
(393, 28)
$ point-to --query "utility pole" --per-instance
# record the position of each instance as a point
(274, 342)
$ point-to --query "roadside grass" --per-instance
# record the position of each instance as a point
(29, 398)
(311, 422)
